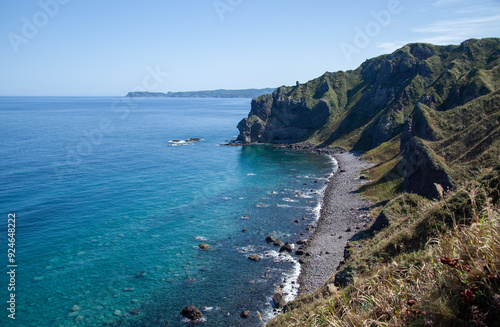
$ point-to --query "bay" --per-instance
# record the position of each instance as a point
(110, 212)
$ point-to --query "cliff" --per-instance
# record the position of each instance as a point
(429, 118)
(434, 93)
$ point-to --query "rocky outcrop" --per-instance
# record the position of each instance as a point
(383, 98)
(419, 125)
(191, 312)
(424, 169)
(279, 301)
(281, 117)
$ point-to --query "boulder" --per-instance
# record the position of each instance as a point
(191, 312)
(140, 274)
(287, 247)
(270, 239)
(245, 314)
(278, 242)
(255, 257)
(279, 301)
(204, 246)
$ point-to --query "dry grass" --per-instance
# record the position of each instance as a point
(453, 281)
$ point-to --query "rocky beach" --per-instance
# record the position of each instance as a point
(343, 213)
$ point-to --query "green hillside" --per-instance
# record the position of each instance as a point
(429, 118)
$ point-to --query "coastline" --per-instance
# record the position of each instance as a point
(342, 214)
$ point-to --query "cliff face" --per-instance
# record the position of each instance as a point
(420, 90)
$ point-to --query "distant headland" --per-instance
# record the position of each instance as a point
(221, 93)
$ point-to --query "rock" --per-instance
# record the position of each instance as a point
(270, 239)
(194, 139)
(255, 257)
(348, 230)
(75, 308)
(301, 242)
(204, 246)
(128, 289)
(297, 221)
(245, 314)
(343, 278)
(278, 242)
(244, 230)
(424, 169)
(279, 300)
(117, 313)
(134, 311)
(288, 247)
(79, 318)
(299, 252)
(140, 274)
(191, 312)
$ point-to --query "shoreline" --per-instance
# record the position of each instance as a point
(343, 213)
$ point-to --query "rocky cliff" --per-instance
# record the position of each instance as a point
(434, 93)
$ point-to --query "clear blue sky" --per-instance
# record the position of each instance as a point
(77, 47)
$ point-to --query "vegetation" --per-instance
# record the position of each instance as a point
(431, 258)
(436, 264)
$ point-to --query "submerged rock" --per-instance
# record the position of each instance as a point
(140, 274)
(191, 312)
(204, 246)
(278, 242)
(270, 239)
(245, 314)
(255, 257)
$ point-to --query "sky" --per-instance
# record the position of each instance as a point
(111, 47)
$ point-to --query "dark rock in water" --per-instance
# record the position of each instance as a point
(244, 230)
(191, 312)
(194, 139)
(297, 221)
(301, 242)
(278, 242)
(134, 311)
(288, 247)
(279, 300)
(140, 274)
(299, 252)
(342, 170)
(270, 239)
(204, 246)
(245, 314)
(255, 257)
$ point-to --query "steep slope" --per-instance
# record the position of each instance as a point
(446, 96)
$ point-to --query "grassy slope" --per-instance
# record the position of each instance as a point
(437, 263)
(430, 267)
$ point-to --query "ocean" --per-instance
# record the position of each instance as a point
(109, 212)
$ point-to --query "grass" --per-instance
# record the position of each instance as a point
(452, 280)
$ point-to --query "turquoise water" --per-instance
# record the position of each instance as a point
(100, 194)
